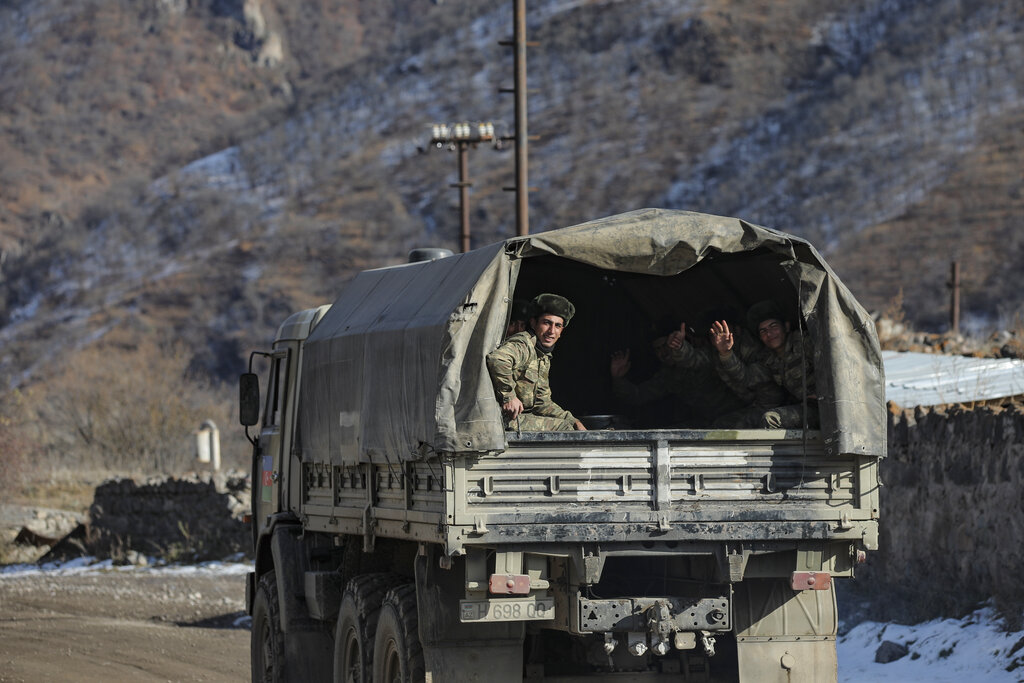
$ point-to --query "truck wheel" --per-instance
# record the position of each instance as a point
(357, 621)
(267, 641)
(397, 654)
(350, 656)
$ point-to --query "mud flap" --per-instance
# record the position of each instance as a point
(452, 650)
(784, 636)
(308, 643)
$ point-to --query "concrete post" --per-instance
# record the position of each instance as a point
(208, 444)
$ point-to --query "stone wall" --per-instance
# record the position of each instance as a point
(952, 514)
(195, 517)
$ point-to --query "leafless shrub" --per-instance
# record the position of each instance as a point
(15, 445)
(133, 410)
(1014, 346)
(1013, 321)
(893, 320)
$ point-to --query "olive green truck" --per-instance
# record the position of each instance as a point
(402, 534)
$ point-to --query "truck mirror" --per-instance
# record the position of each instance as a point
(248, 399)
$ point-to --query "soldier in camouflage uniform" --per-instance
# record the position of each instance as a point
(786, 360)
(519, 370)
(688, 373)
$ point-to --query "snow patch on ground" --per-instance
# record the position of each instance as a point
(90, 565)
(974, 648)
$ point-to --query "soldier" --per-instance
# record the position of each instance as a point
(519, 317)
(667, 381)
(688, 373)
(785, 360)
(519, 369)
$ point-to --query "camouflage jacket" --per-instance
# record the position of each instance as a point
(518, 368)
(700, 360)
(786, 371)
(667, 380)
(690, 376)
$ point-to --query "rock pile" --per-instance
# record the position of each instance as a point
(26, 533)
(195, 517)
(895, 336)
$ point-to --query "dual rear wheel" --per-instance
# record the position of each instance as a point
(377, 638)
(397, 654)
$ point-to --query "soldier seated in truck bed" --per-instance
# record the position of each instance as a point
(519, 370)
(689, 374)
(784, 362)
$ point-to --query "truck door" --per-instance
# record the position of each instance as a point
(267, 471)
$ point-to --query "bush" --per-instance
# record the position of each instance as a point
(129, 410)
(15, 444)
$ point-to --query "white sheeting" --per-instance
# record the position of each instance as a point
(926, 379)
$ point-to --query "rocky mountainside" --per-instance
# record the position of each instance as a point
(198, 169)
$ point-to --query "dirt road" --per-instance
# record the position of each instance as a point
(184, 624)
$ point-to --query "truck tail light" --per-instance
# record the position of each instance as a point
(509, 584)
(811, 581)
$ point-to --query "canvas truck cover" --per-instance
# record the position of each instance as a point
(396, 371)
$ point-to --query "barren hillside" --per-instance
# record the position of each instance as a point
(197, 170)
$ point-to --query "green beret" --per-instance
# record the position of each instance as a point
(555, 305)
(761, 311)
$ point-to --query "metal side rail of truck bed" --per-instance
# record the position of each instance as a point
(665, 485)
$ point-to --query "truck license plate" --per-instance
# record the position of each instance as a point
(515, 609)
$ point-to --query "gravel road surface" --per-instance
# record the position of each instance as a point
(92, 625)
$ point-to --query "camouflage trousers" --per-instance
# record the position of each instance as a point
(791, 417)
(528, 422)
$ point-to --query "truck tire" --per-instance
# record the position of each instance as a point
(357, 622)
(397, 654)
(267, 640)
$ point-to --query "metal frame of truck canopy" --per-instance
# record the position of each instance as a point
(408, 343)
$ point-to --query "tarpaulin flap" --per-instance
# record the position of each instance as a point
(395, 370)
(377, 382)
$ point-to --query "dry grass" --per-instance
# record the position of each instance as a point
(15, 448)
(109, 411)
(61, 490)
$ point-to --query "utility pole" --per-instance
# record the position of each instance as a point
(463, 186)
(522, 141)
(460, 137)
(522, 138)
(954, 299)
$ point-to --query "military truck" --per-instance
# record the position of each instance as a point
(403, 534)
